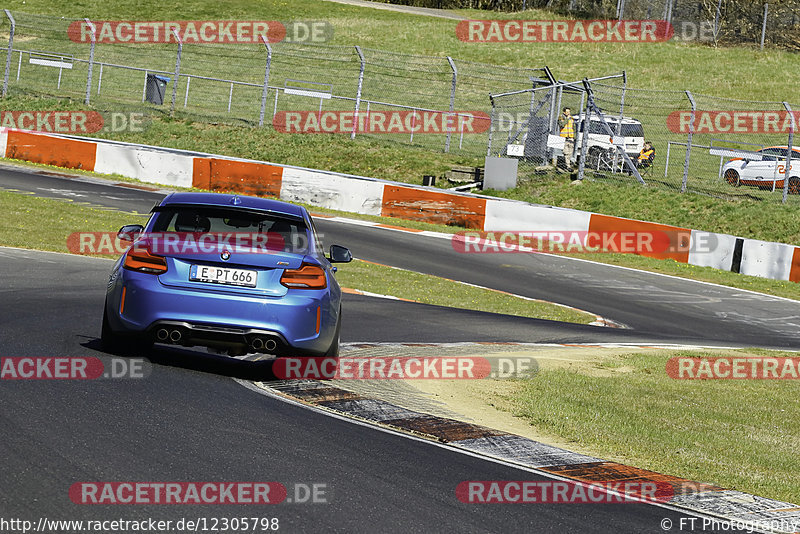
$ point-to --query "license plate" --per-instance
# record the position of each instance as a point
(223, 275)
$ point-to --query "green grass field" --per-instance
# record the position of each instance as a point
(738, 434)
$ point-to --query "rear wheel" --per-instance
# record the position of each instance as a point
(794, 185)
(333, 350)
(593, 157)
(732, 177)
(115, 343)
(109, 340)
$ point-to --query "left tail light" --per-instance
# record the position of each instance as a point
(143, 261)
(306, 277)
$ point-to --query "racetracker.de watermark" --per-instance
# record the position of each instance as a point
(382, 122)
(737, 122)
(562, 492)
(72, 368)
(404, 368)
(564, 31)
(73, 122)
(204, 493)
(167, 243)
(200, 31)
(584, 31)
(558, 241)
(733, 368)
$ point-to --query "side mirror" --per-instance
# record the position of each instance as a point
(130, 232)
(340, 254)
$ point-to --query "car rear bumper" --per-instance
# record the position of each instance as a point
(301, 319)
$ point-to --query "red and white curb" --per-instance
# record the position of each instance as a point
(729, 507)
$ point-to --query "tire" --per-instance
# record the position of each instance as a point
(593, 158)
(109, 340)
(732, 177)
(794, 185)
(333, 350)
(114, 343)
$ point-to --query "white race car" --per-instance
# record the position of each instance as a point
(766, 173)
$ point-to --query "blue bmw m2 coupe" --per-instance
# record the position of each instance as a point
(234, 273)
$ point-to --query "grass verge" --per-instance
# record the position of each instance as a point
(738, 434)
(63, 218)
(434, 290)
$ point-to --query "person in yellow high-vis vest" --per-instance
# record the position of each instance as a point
(567, 126)
(646, 156)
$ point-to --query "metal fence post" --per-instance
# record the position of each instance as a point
(688, 144)
(788, 175)
(587, 117)
(621, 114)
(358, 92)
(668, 10)
(452, 99)
(10, 51)
(91, 59)
(491, 127)
(620, 9)
(552, 118)
(177, 71)
(764, 25)
(716, 21)
(266, 81)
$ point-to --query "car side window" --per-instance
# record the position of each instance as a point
(596, 127)
(317, 241)
(773, 154)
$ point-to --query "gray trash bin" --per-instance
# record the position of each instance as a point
(156, 87)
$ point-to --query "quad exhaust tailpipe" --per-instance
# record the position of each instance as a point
(168, 336)
(189, 335)
(260, 344)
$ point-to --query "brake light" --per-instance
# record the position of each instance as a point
(141, 260)
(306, 277)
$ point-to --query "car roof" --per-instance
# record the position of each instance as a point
(794, 148)
(235, 201)
(610, 119)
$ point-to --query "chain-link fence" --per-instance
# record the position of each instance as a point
(755, 22)
(558, 126)
(740, 22)
(262, 83)
(715, 146)
(256, 83)
(674, 140)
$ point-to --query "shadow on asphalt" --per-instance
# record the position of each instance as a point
(196, 360)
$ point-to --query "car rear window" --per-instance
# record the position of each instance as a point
(627, 130)
(632, 130)
(200, 219)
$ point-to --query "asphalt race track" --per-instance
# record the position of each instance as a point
(187, 420)
(654, 307)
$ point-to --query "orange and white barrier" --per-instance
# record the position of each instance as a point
(359, 194)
